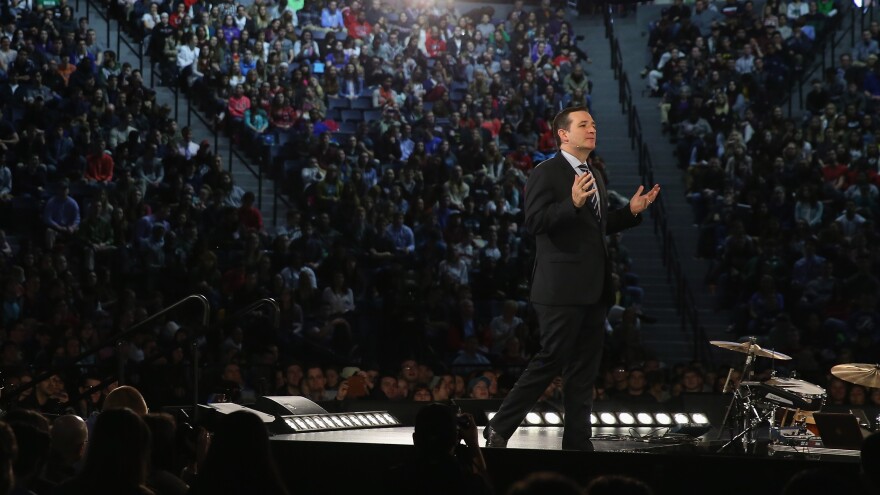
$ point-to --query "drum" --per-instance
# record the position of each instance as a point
(788, 418)
(792, 393)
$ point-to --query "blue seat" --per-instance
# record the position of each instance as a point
(283, 138)
(334, 114)
(352, 116)
(340, 103)
(348, 127)
(362, 103)
(372, 115)
(341, 35)
(458, 86)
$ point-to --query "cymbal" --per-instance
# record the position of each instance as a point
(747, 347)
(858, 373)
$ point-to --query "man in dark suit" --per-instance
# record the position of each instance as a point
(566, 210)
(457, 42)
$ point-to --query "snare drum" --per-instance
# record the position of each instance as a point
(792, 393)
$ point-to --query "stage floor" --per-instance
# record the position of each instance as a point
(530, 438)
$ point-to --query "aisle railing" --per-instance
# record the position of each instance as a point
(255, 167)
(685, 302)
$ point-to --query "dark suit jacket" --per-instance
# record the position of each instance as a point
(571, 261)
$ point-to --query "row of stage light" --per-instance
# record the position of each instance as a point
(617, 419)
(347, 421)
(379, 419)
(307, 417)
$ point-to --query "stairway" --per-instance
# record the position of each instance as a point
(632, 36)
(633, 44)
(663, 338)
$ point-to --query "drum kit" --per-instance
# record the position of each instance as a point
(780, 403)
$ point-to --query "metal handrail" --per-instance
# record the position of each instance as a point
(139, 53)
(266, 301)
(116, 340)
(820, 62)
(684, 300)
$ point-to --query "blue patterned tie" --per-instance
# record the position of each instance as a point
(594, 199)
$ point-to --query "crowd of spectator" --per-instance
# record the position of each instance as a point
(785, 206)
(405, 238)
(403, 135)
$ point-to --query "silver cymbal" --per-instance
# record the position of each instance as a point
(749, 348)
(858, 373)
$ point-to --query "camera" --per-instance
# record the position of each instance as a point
(462, 421)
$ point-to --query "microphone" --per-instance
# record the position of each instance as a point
(727, 383)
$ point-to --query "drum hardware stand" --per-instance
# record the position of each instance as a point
(750, 424)
(751, 411)
(738, 398)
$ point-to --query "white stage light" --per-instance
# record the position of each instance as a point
(700, 419)
(645, 418)
(533, 418)
(607, 418)
(551, 418)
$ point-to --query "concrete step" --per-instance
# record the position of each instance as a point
(614, 146)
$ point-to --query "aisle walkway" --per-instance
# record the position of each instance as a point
(663, 337)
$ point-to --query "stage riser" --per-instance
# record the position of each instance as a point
(316, 467)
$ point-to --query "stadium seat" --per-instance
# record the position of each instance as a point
(362, 103)
(372, 115)
(340, 103)
(352, 116)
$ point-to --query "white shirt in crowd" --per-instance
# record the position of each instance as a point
(187, 55)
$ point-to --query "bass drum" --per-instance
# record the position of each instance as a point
(788, 418)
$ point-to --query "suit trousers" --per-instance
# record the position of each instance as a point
(571, 345)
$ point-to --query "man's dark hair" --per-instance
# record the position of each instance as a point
(545, 482)
(436, 431)
(617, 485)
(811, 481)
(119, 452)
(563, 121)
(33, 448)
(240, 458)
(163, 431)
(28, 417)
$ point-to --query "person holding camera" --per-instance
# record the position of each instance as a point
(442, 464)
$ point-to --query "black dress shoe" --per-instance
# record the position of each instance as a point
(494, 440)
